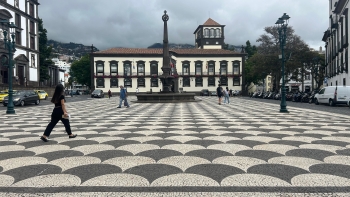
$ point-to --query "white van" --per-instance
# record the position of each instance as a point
(333, 95)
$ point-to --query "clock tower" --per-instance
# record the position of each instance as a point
(210, 35)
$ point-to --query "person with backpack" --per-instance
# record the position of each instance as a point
(122, 97)
(58, 113)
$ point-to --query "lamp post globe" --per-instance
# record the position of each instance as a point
(10, 46)
(282, 24)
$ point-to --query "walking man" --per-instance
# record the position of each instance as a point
(109, 94)
(123, 95)
(219, 93)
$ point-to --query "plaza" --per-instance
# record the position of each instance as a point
(246, 148)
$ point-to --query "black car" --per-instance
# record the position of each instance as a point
(23, 97)
(204, 92)
(97, 94)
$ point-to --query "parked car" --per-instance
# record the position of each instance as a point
(42, 94)
(4, 93)
(204, 92)
(333, 95)
(213, 93)
(97, 94)
(23, 97)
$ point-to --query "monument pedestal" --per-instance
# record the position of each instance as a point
(166, 98)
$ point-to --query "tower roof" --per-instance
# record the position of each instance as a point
(211, 22)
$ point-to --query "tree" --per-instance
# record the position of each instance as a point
(44, 53)
(267, 61)
(80, 71)
(250, 76)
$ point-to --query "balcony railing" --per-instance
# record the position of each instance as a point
(180, 74)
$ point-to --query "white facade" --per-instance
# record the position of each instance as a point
(24, 14)
(336, 38)
(207, 67)
(62, 64)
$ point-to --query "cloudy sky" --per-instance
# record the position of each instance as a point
(138, 23)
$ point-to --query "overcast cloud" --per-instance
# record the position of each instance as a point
(138, 23)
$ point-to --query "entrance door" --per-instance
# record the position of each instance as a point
(21, 75)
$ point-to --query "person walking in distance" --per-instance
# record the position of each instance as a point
(109, 94)
(58, 113)
(219, 93)
(227, 96)
(123, 95)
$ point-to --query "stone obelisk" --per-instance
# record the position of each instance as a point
(166, 77)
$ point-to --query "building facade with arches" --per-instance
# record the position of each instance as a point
(24, 14)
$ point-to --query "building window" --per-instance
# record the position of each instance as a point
(32, 27)
(32, 43)
(307, 76)
(114, 68)
(186, 82)
(186, 68)
(211, 68)
(33, 61)
(211, 81)
(223, 80)
(236, 81)
(31, 10)
(198, 68)
(128, 82)
(223, 68)
(141, 68)
(100, 68)
(114, 82)
(100, 83)
(212, 33)
(127, 68)
(199, 82)
(18, 20)
(16, 3)
(236, 68)
(18, 38)
(217, 33)
(206, 33)
(154, 82)
(344, 82)
(141, 82)
(154, 68)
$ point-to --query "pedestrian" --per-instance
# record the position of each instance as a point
(219, 93)
(137, 90)
(58, 113)
(109, 94)
(227, 96)
(122, 97)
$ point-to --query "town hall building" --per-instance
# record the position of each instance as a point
(203, 67)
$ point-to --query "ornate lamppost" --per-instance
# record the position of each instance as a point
(282, 24)
(10, 46)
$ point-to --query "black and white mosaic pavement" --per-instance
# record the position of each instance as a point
(246, 147)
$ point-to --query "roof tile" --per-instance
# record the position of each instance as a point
(211, 22)
(160, 51)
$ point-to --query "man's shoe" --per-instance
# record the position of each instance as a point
(127, 106)
(72, 136)
(44, 139)
(119, 107)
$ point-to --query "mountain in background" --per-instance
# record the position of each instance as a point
(69, 49)
(231, 47)
(172, 46)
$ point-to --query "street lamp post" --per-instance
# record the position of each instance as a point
(10, 46)
(282, 24)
